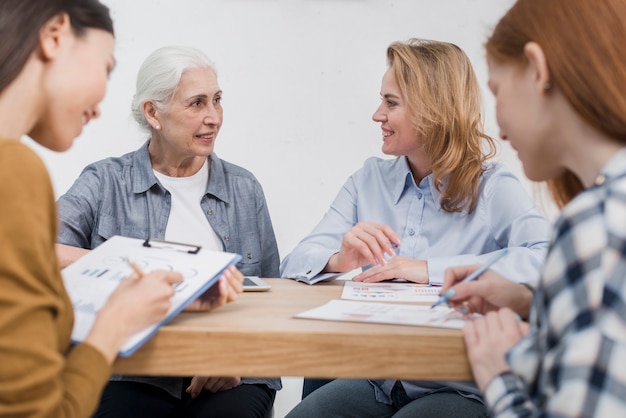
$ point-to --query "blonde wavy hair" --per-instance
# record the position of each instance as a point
(441, 92)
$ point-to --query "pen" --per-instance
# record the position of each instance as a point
(475, 274)
(135, 267)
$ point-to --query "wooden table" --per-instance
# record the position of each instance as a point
(258, 336)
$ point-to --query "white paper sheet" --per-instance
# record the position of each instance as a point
(390, 292)
(386, 313)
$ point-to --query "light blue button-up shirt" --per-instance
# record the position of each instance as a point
(384, 191)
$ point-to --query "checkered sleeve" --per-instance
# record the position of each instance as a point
(507, 396)
(575, 366)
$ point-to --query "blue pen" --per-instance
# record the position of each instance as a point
(475, 275)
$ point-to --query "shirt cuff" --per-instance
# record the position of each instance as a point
(437, 266)
(500, 392)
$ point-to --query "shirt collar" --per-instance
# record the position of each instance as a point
(144, 178)
(216, 186)
(403, 180)
(613, 169)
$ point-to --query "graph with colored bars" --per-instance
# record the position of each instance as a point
(390, 292)
(117, 268)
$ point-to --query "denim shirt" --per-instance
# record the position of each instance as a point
(122, 196)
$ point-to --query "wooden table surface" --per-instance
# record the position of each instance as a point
(257, 335)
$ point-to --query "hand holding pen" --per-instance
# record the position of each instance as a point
(135, 267)
(366, 243)
(490, 292)
(450, 293)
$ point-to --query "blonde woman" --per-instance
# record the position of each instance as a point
(440, 203)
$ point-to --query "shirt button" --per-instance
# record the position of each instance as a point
(419, 195)
(249, 256)
(209, 212)
(411, 232)
(226, 238)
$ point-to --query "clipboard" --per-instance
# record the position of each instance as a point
(92, 278)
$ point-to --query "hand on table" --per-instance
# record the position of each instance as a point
(396, 268)
(229, 285)
(211, 384)
(366, 243)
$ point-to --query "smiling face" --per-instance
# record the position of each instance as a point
(190, 122)
(74, 85)
(399, 135)
(525, 120)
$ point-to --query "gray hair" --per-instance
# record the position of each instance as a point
(160, 74)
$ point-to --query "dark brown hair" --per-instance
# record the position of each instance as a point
(21, 21)
(583, 41)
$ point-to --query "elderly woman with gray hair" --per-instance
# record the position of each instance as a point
(174, 187)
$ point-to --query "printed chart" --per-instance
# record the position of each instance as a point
(390, 292)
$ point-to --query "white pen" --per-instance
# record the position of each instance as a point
(475, 274)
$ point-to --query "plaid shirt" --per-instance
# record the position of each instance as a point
(573, 362)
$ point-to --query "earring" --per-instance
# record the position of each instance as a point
(157, 127)
(547, 86)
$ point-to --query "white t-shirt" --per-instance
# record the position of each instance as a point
(187, 222)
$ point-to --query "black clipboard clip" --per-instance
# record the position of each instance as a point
(170, 245)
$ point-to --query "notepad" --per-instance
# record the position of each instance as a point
(92, 278)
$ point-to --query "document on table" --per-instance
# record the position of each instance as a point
(390, 292)
(386, 313)
(92, 278)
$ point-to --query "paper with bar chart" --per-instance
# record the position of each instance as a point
(92, 278)
(386, 313)
(390, 292)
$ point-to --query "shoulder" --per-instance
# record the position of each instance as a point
(25, 192)
(381, 164)
(494, 169)
(497, 178)
(14, 155)
(381, 168)
(113, 163)
(21, 167)
(606, 204)
(232, 171)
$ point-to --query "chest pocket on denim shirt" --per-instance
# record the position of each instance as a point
(250, 264)
(109, 226)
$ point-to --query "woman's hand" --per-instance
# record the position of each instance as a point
(366, 243)
(488, 339)
(229, 285)
(136, 303)
(396, 268)
(487, 293)
(212, 384)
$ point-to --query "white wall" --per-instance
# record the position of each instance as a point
(301, 79)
